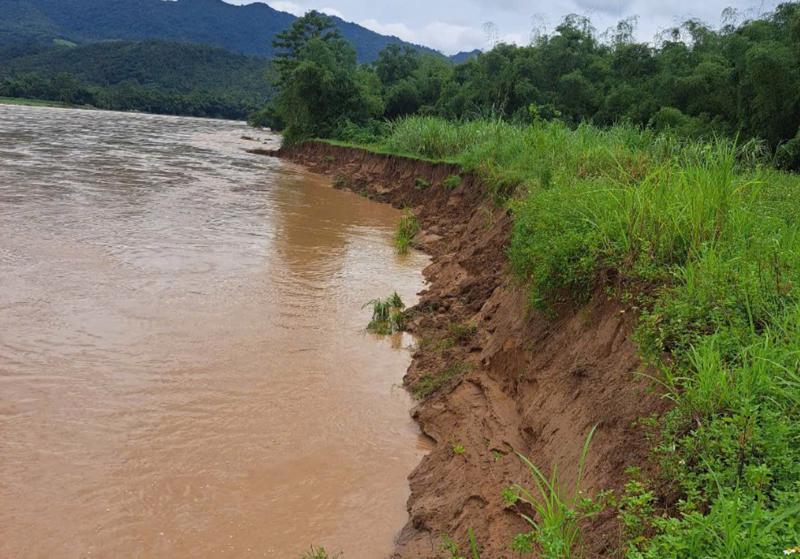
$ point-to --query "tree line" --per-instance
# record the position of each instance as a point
(741, 80)
(148, 76)
(125, 96)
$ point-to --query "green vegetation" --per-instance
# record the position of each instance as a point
(451, 547)
(318, 553)
(451, 182)
(182, 57)
(421, 183)
(320, 88)
(458, 449)
(155, 77)
(29, 102)
(430, 383)
(241, 29)
(557, 524)
(406, 229)
(742, 80)
(461, 333)
(387, 315)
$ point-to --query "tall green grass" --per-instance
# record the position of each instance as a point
(556, 528)
(705, 239)
(407, 227)
(387, 315)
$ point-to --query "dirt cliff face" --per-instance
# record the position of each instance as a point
(495, 376)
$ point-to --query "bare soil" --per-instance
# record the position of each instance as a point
(520, 381)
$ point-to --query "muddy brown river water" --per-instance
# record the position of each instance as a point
(184, 370)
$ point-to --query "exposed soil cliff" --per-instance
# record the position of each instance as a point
(517, 380)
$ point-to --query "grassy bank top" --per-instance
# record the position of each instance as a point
(703, 240)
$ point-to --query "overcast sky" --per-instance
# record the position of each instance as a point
(455, 25)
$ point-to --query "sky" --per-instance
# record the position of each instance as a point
(461, 25)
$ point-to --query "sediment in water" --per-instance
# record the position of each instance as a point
(520, 381)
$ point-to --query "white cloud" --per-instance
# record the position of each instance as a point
(454, 25)
(446, 37)
(397, 29)
(450, 38)
(331, 12)
(513, 39)
(285, 6)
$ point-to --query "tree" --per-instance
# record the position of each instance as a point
(320, 86)
(291, 43)
(396, 63)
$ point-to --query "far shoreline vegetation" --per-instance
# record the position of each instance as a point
(43, 103)
(660, 176)
(156, 77)
(34, 102)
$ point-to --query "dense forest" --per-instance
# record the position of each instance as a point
(150, 76)
(741, 80)
(152, 55)
(245, 29)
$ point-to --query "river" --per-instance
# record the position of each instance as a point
(184, 370)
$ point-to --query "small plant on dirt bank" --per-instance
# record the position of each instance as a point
(340, 181)
(556, 525)
(406, 229)
(461, 332)
(421, 183)
(319, 553)
(387, 315)
(430, 383)
(636, 511)
(458, 449)
(452, 548)
(451, 182)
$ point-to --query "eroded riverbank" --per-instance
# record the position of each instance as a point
(499, 377)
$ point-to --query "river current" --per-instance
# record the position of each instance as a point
(184, 370)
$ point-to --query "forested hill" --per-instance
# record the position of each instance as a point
(241, 29)
(150, 76)
(180, 67)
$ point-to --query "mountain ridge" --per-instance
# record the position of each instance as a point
(247, 29)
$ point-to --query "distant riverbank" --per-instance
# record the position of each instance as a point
(38, 103)
(23, 102)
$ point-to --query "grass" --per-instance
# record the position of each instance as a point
(704, 238)
(387, 315)
(430, 383)
(451, 182)
(452, 549)
(319, 553)
(421, 183)
(407, 227)
(556, 526)
(461, 333)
